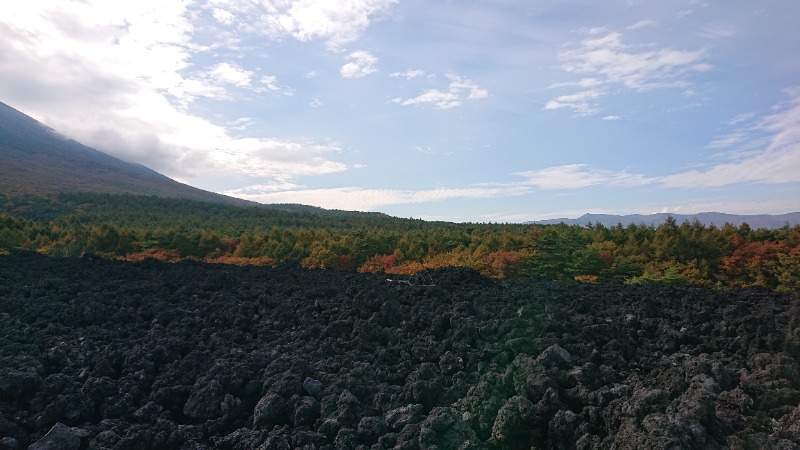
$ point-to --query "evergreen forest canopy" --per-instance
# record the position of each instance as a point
(138, 227)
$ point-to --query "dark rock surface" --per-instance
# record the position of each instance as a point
(101, 354)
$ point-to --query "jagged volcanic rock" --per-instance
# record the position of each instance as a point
(105, 354)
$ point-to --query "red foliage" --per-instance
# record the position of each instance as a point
(378, 263)
(606, 259)
(753, 263)
(344, 262)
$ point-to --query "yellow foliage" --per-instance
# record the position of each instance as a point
(242, 261)
(593, 279)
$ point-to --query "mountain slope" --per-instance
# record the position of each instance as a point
(34, 159)
(707, 218)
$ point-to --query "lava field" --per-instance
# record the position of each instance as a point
(99, 354)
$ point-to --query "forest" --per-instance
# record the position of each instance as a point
(138, 227)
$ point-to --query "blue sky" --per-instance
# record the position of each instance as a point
(500, 111)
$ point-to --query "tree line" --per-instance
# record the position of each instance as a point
(139, 227)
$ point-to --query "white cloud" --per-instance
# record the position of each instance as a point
(111, 75)
(474, 92)
(274, 158)
(641, 24)
(744, 117)
(718, 30)
(766, 153)
(605, 61)
(270, 82)
(361, 199)
(336, 22)
(411, 74)
(777, 162)
(608, 59)
(727, 140)
(581, 103)
(262, 188)
(439, 99)
(222, 16)
(240, 124)
(361, 64)
(232, 74)
(578, 176)
(582, 83)
(458, 90)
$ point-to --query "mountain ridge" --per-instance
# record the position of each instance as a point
(35, 159)
(706, 218)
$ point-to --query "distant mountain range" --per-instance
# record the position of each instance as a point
(35, 159)
(707, 218)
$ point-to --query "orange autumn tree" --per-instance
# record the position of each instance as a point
(496, 264)
(789, 271)
(161, 254)
(755, 264)
(378, 263)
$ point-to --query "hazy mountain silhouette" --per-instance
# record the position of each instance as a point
(35, 159)
(707, 218)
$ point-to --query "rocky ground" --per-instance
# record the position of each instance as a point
(102, 354)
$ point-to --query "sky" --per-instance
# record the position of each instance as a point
(455, 110)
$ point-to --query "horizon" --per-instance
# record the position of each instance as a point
(466, 112)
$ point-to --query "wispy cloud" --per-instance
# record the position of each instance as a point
(765, 153)
(641, 24)
(718, 30)
(581, 103)
(640, 69)
(410, 74)
(362, 199)
(458, 90)
(744, 117)
(230, 74)
(579, 176)
(605, 61)
(361, 64)
(216, 82)
(777, 162)
(335, 22)
(239, 124)
(727, 140)
(582, 83)
(270, 82)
